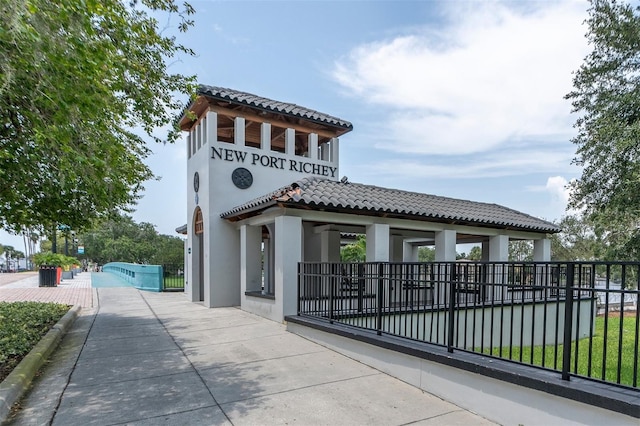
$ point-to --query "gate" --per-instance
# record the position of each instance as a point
(173, 277)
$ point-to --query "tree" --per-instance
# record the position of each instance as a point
(12, 257)
(606, 96)
(520, 251)
(78, 81)
(121, 239)
(356, 251)
(577, 241)
(426, 254)
(475, 253)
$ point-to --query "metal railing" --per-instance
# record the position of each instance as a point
(173, 277)
(579, 319)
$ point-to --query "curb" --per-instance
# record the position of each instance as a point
(17, 383)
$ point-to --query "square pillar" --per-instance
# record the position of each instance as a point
(485, 251)
(396, 248)
(446, 246)
(335, 150)
(250, 258)
(499, 248)
(330, 246)
(265, 136)
(212, 127)
(325, 151)
(542, 250)
(290, 142)
(192, 138)
(378, 242)
(238, 134)
(312, 146)
(445, 252)
(288, 253)
(498, 252)
(409, 252)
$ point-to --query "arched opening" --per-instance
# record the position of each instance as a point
(198, 256)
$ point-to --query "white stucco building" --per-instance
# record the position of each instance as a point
(265, 192)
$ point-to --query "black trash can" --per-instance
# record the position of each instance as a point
(47, 276)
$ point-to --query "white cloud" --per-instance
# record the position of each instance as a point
(496, 74)
(557, 187)
(559, 192)
(495, 163)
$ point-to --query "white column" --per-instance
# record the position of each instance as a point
(330, 246)
(378, 242)
(445, 252)
(250, 259)
(203, 131)
(485, 251)
(335, 150)
(325, 151)
(312, 146)
(396, 248)
(410, 253)
(265, 136)
(199, 134)
(498, 252)
(290, 141)
(239, 131)
(446, 246)
(212, 127)
(193, 140)
(288, 252)
(189, 145)
(542, 250)
(499, 248)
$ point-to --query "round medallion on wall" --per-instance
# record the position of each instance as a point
(242, 178)
(196, 182)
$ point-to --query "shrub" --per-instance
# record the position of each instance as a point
(54, 259)
(22, 325)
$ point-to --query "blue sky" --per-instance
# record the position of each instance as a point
(458, 98)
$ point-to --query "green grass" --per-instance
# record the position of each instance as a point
(545, 356)
(173, 281)
(22, 325)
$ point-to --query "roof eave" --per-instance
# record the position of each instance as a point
(254, 211)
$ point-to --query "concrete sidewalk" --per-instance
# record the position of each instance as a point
(154, 358)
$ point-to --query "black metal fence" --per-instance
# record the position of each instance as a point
(173, 277)
(576, 318)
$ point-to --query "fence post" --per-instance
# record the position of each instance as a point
(452, 298)
(299, 286)
(332, 281)
(380, 298)
(361, 282)
(568, 322)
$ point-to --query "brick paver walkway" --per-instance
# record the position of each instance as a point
(76, 291)
(6, 278)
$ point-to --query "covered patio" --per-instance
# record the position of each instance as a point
(304, 223)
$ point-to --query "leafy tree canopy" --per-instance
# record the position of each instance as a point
(577, 241)
(606, 96)
(356, 251)
(426, 254)
(475, 253)
(121, 239)
(78, 80)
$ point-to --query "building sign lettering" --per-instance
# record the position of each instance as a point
(271, 161)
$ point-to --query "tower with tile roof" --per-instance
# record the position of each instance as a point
(239, 147)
